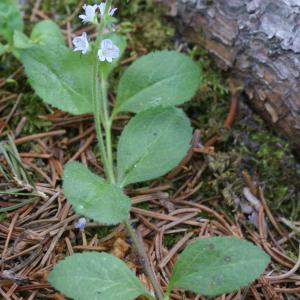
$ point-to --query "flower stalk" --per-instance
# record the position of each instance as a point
(101, 111)
(105, 50)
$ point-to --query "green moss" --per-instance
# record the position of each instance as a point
(102, 231)
(291, 255)
(148, 30)
(171, 239)
(32, 108)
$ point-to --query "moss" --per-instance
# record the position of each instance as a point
(32, 108)
(143, 205)
(149, 30)
(269, 157)
(102, 231)
(3, 217)
(171, 239)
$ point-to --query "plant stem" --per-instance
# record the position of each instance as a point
(101, 106)
(107, 124)
(143, 255)
(106, 120)
(97, 114)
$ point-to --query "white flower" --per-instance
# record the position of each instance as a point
(108, 51)
(81, 43)
(102, 7)
(80, 224)
(90, 13)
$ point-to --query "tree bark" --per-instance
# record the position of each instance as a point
(259, 42)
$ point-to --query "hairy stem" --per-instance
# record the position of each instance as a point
(143, 255)
(101, 106)
(97, 116)
(107, 125)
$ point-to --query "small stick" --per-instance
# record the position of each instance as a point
(233, 107)
(4, 295)
(38, 136)
(174, 250)
(269, 214)
(287, 274)
(11, 112)
(161, 216)
(84, 147)
(10, 230)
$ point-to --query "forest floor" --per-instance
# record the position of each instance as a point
(234, 161)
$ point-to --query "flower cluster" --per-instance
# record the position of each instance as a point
(108, 50)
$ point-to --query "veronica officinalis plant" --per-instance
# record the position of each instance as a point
(153, 142)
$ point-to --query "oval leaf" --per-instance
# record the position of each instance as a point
(47, 32)
(165, 78)
(96, 276)
(60, 77)
(218, 265)
(93, 197)
(152, 143)
(10, 19)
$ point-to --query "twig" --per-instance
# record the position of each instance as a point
(143, 255)
(38, 136)
(233, 107)
(289, 273)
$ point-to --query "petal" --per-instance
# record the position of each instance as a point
(76, 40)
(90, 12)
(102, 8)
(84, 37)
(109, 59)
(112, 11)
(77, 44)
(107, 43)
(115, 52)
(101, 55)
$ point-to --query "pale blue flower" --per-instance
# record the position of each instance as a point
(102, 7)
(81, 43)
(90, 13)
(108, 51)
(80, 224)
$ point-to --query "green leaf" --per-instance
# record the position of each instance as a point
(47, 32)
(44, 33)
(21, 41)
(152, 143)
(10, 19)
(93, 197)
(98, 276)
(60, 76)
(119, 41)
(165, 78)
(218, 265)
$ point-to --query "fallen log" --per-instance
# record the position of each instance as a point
(258, 41)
